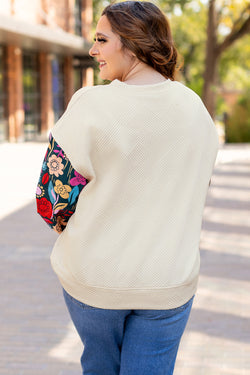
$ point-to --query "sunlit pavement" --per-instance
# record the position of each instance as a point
(37, 337)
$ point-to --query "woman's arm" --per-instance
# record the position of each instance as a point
(58, 188)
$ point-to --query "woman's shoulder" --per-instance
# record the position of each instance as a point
(184, 89)
(88, 93)
(90, 89)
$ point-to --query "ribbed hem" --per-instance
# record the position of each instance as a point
(120, 299)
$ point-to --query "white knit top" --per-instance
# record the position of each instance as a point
(148, 152)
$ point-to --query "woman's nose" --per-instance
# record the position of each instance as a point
(93, 51)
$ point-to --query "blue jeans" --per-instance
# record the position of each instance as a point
(128, 342)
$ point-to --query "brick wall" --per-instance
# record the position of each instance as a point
(53, 13)
(87, 17)
(58, 13)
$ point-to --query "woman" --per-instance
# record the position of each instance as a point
(132, 160)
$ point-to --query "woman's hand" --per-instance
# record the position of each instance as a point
(60, 225)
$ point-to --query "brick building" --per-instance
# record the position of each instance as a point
(43, 59)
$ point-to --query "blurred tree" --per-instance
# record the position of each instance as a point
(234, 65)
(189, 30)
(238, 124)
(190, 43)
(98, 6)
(228, 21)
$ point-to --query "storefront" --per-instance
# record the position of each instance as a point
(41, 66)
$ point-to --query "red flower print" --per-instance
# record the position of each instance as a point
(78, 180)
(45, 178)
(44, 207)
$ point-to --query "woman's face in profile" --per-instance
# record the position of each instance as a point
(114, 62)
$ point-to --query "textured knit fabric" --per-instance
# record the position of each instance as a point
(58, 187)
(148, 153)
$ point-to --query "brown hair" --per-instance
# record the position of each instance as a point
(144, 30)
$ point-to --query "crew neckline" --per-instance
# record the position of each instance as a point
(117, 82)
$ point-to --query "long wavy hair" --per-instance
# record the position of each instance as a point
(144, 30)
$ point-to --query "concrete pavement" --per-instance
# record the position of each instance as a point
(37, 337)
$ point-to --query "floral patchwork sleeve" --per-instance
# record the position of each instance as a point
(58, 187)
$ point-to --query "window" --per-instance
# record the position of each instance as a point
(31, 95)
(3, 97)
(58, 86)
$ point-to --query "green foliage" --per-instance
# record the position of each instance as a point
(196, 85)
(169, 6)
(230, 14)
(238, 123)
(234, 65)
(98, 6)
(189, 33)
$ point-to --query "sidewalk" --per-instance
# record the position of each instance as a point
(37, 337)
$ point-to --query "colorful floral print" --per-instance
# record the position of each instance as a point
(55, 165)
(39, 191)
(78, 179)
(44, 208)
(58, 188)
(62, 190)
(45, 179)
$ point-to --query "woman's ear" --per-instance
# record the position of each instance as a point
(129, 53)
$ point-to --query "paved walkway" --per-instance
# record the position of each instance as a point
(37, 337)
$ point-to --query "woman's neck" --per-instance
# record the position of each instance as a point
(142, 74)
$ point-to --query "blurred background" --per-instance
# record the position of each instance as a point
(43, 60)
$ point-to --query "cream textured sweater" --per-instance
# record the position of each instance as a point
(149, 152)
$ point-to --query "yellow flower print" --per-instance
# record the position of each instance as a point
(55, 165)
(62, 190)
(39, 191)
